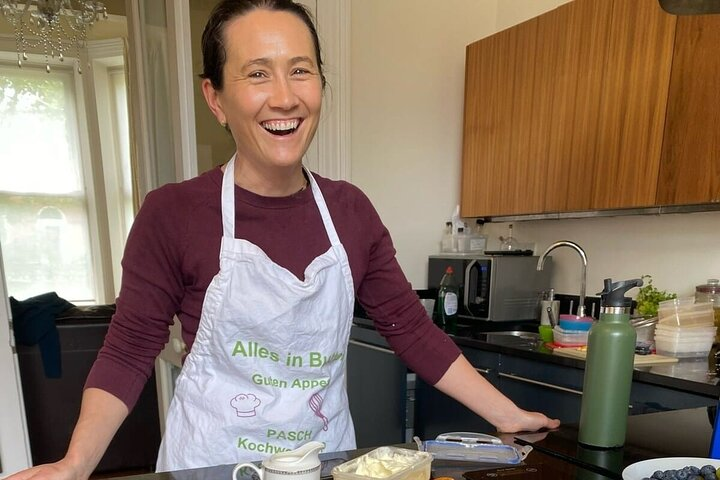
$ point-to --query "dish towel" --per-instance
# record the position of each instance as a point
(34, 324)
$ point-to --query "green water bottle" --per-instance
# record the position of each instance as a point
(609, 369)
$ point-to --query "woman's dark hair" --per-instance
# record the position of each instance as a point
(213, 40)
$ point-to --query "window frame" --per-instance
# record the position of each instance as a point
(96, 153)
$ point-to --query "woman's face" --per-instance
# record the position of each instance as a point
(272, 90)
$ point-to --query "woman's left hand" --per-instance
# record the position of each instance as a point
(525, 421)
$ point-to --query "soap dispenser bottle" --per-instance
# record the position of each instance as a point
(609, 369)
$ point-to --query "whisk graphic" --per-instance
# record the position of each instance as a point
(315, 404)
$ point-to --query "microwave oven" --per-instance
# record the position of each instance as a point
(497, 288)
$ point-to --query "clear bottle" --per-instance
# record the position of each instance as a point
(446, 244)
(509, 243)
(446, 306)
(463, 241)
(710, 292)
(478, 241)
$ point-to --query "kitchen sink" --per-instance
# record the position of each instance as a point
(511, 337)
(516, 333)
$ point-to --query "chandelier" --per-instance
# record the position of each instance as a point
(53, 26)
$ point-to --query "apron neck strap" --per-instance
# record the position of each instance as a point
(228, 203)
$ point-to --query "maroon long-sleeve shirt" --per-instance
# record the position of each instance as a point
(172, 255)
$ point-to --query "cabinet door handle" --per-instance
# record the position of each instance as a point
(483, 371)
(372, 347)
(542, 384)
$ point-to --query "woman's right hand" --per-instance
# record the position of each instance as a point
(101, 414)
(61, 470)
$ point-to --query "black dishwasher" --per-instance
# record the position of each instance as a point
(52, 405)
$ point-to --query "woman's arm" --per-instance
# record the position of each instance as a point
(101, 414)
(462, 382)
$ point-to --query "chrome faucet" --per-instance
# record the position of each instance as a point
(581, 252)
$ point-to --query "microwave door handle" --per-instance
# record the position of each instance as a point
(466, 293)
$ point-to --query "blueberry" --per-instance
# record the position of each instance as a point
(707, 470)
(694, 470)
(658, 475)
(682, 474)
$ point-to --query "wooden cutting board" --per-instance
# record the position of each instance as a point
(640, 360)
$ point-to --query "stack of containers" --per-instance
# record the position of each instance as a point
(685, 329)
(572, 331)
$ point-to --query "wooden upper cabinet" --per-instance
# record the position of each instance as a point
(690, 163)
(565, 112)
(520, 100)
(634, 101)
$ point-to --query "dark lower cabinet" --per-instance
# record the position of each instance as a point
(437, 413)
(385, 409)
(52, 405)
(377, 390)
(555, 390)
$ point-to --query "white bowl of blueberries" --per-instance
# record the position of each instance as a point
(674, 468)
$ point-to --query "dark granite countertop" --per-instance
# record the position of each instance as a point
(556, 455)
(480, 337)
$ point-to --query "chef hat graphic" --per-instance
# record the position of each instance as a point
(245, 404)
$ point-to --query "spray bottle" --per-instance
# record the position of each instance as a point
(608, 369)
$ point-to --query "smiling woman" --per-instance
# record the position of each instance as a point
(269, 96)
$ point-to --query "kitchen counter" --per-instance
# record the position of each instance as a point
(682, 433)
(480, 338)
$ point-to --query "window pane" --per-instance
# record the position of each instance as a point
(38, 139)
(45, 246)
(43, 212)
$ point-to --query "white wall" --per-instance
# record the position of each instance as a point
(407, 106)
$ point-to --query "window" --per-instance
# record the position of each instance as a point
(44, 227)
(63, 220)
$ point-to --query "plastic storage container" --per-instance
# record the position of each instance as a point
(390, 463)
(472, 447)
(570, 338)
(684, 342)
(575, 323)
(685, 312)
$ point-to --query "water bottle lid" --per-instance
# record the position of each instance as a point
(613, 295)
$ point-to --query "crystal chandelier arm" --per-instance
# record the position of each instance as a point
(44, 25)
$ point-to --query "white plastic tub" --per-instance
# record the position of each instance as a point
(390, 463)
(684, 342)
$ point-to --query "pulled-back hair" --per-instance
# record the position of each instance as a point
(213, 39)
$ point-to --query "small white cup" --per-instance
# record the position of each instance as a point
(302, 463)
(267, 473)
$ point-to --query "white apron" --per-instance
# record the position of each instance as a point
(266, 372)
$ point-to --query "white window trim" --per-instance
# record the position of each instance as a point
(104, 56)
(334, 140)
(330, 151)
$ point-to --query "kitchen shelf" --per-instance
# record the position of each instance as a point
(662, 210)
